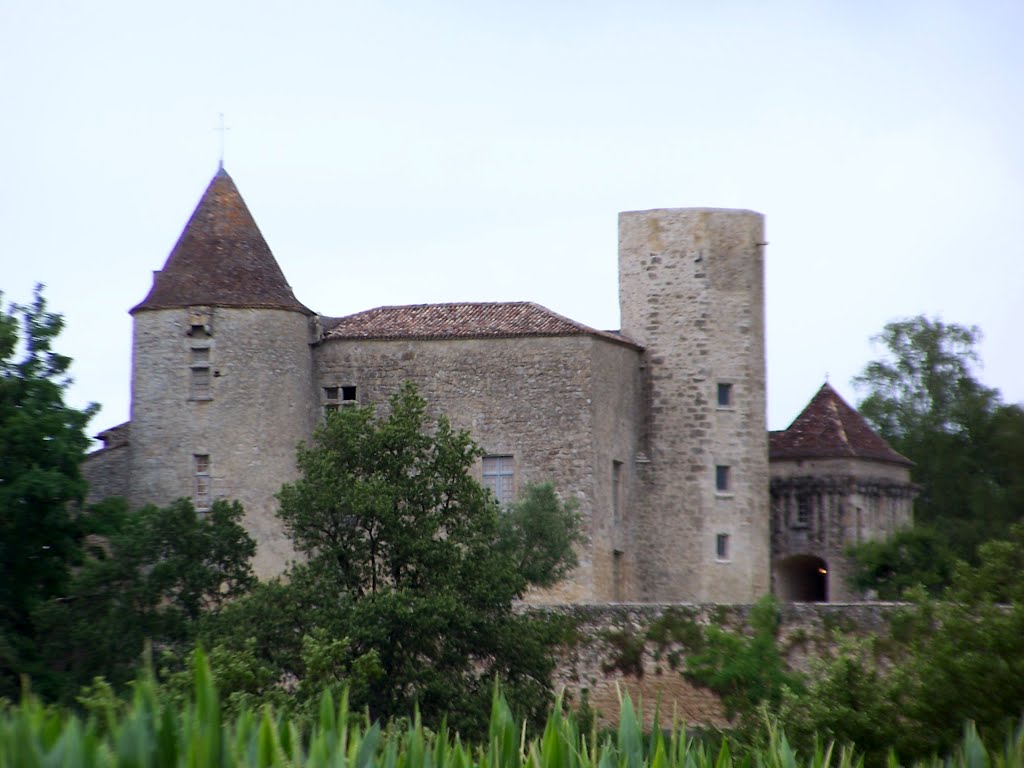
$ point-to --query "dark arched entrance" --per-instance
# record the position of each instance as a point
(802, 579)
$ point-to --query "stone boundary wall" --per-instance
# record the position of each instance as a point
(639, 649)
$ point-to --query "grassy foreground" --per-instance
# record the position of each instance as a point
(150, 733)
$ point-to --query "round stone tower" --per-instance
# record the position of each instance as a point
(691, 285)
(222, 374)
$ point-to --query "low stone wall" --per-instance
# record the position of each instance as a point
(641, 649)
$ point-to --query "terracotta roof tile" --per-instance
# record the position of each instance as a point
(829, 428)
(221, 259)
(469, 320)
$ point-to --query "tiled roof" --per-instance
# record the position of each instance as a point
(470, 320)
(221, 259)
(828, 428)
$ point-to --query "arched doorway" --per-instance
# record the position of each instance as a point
(802, 579)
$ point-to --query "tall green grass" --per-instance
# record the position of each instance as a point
(153, 734)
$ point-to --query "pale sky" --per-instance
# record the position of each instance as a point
(411, 152)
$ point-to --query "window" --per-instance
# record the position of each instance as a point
(200, 384)
(724, 395)
(201, 487)
(331, 400)
(199, 359)
(616, 492)
(498, 475)
(722, 479)
(803, 510)
(722, 546)
(338, 396)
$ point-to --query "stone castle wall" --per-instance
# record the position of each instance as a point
(692, 293)
(565, 408)
(636, 649)
(844, 502)
(107, 472)
(260, 406)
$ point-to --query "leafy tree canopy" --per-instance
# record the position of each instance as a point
(411, 572)
(42, 442)
(150, 577)
(923, 397)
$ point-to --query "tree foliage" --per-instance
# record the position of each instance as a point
(923, 396)
(42, 443)
(410, 574)
(916, 557)
(149, 577)
(747, 671)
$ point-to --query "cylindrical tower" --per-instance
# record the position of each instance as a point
(222, 374)
(691, 285)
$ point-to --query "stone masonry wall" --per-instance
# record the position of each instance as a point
(562, 407)
(692, 293)
(846, 501)
(628, 648)
(261, 404)
(106, 471)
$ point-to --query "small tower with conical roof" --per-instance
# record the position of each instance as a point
(834, 483)
(222, 373)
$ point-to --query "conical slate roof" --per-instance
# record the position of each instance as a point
(828, 428)
(221, 259)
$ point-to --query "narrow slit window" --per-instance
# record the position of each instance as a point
(722, 546)
(723, 478)
(199, 373)
(724, 395)
(201, 488)
(803, 510)
(616, 492)
(200, 383)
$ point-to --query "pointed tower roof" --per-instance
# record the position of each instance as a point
(828, 428)
(221, 259)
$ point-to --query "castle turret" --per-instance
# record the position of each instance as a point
(222, 373)
(834, 483)
(691, 287)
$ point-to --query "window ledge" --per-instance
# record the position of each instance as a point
(200, 399)
(724, 494)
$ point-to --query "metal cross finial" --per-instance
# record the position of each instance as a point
(223, 130)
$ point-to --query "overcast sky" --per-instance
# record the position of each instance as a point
(410, 152)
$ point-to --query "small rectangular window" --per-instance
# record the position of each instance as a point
(200, 383)
(200, 355)
(498, 475)
(331, 399)
(201, 488)
(722, 479)
(724, 395)
(722, 546)
(348, 394)
(803, 510)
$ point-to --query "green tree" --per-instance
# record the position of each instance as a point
(42, 442)
(747, 671)
(410, 573)
(915, 557)
(924, 398)
(150, 577)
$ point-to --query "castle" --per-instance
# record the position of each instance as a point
(657, 429)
